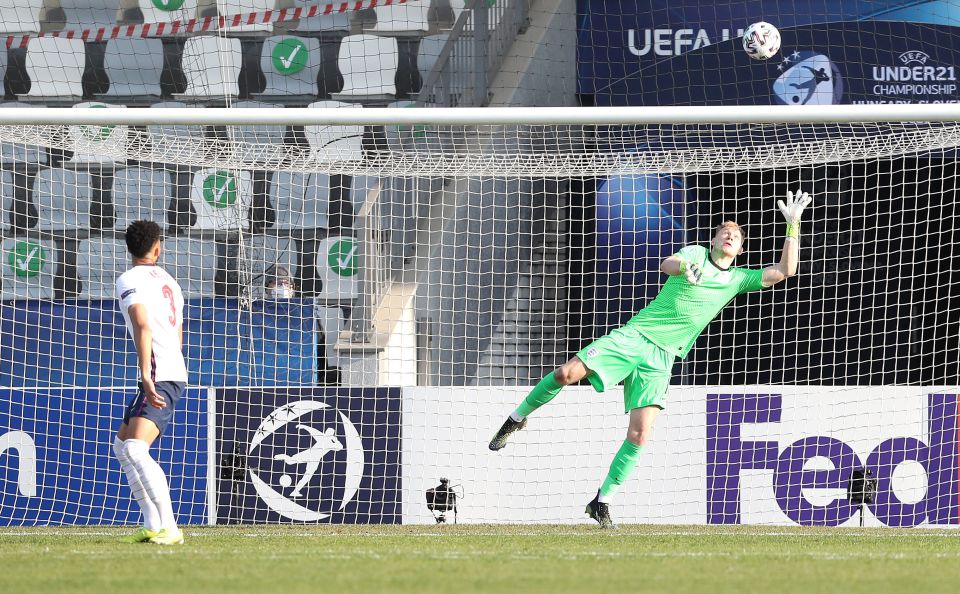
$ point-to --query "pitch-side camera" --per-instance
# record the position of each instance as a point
(861, 489)
(442, 499)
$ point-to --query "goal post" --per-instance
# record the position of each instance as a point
(442, 261)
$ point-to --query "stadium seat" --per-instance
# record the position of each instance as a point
(134, 67)
(89, 14)
(6, 199)
(100, 261)
(62, 197)
(337, 262)
(20, 16)
(422, 138)
(175, 130)
(3, 63)
(141, 193)
(212, 67)
(331, 321)
(335, 143)
(230, 8)
(193, 263)
(290, 66)
(369, 67)
(402, 18)
(163, 11)
(55, 67)
(98, 144)
(265, 251)
(221, 200)
(299, 201)
(11, 154)
(29, 267)
(257, 139)
(322, 23)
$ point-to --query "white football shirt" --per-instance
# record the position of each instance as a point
(161, 294)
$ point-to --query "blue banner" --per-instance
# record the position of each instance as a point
(57, 464)
(85, 344)
(656, 52)
(325, 455)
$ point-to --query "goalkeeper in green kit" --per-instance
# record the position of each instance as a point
(642, 352)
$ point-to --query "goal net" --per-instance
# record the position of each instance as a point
(370, 292)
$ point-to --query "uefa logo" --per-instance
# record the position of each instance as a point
(306, 460)
(808, 78)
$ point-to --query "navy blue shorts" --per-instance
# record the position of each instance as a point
(139, 407)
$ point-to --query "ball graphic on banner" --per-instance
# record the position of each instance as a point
(286, 481)
(761, 41)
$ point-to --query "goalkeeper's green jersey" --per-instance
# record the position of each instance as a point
(680, 312)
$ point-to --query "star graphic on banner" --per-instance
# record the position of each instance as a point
(288, 409)
(795, 55)
(261, 432)
(272, 418)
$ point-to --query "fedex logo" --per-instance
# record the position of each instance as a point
(728, 454)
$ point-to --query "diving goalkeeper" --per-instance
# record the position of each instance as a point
(642, 352)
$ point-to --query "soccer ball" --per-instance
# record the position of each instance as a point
(761, 41)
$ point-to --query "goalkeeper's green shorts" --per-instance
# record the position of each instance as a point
(627, 355)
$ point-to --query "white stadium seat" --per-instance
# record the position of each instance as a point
(290, 66)
(62, 197)
(230, 8)
(29, 266)
(134, 67)
(335, 143)
(322, 23)
(89, 14)
(55, 67)
(21, 153)
(254, 138)
(141, 194)
(20, 16)
(100, 261)
(402, 18)
(157, 11)
(98, 144)
(296, 200)
(369, 67)
(192, 262)
(211, 65)
(221, 199)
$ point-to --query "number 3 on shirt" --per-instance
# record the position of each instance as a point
(168, 293)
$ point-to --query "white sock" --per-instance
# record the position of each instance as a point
(151, 516)
(604, 498)
(153, 479)
(517, 417)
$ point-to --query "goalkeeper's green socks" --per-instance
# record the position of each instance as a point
(541, 394)
(620, 469)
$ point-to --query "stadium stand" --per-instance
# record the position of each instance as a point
(17, 154)
(162, 12)
(266, 251)
(299, 201)
(333, 23)
(97, 144)
(193, 263)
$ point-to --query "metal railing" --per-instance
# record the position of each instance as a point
(473, 53)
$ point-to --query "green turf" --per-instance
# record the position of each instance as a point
(456, 559)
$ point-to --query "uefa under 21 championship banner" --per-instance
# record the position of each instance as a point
(683, 52)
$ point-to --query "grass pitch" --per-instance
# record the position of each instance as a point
(458, 559)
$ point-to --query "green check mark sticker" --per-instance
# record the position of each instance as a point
(97, 132)
(220, 189)
(27, 259)
(289, 56)
(342, 257)
(168, 4)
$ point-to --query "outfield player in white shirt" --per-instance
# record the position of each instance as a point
(152, 305)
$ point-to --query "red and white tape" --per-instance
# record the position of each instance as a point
(210, 23)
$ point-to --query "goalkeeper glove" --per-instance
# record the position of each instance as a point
(692, 271)
(793, 209)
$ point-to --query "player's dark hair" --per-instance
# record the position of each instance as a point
(141, 236)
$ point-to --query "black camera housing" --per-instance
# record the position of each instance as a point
(862, 487)
(442, 498)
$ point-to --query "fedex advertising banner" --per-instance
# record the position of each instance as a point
(685, 52)
(57, 464)
(778, 455)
